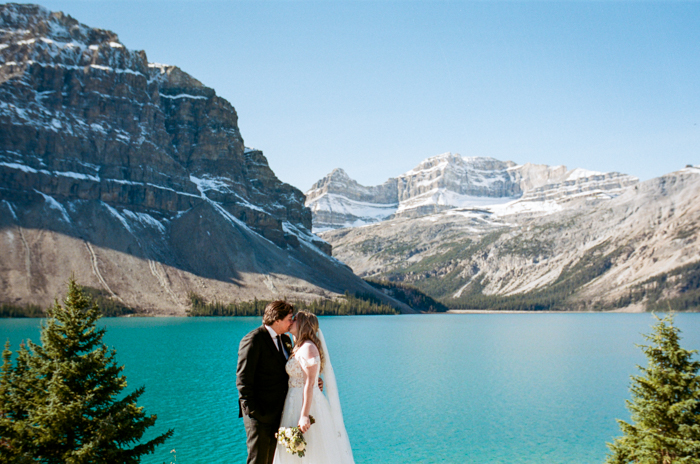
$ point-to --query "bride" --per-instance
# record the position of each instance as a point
(326, 440)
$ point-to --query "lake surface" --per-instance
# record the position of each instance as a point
(463, 388)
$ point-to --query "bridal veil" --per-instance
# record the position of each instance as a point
(330, 387)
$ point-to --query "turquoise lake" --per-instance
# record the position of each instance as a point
(467, 388)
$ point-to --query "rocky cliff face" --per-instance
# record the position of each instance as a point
(477, 177)
(450, 181)
(613, 246)
(338, 201)
(135, 176)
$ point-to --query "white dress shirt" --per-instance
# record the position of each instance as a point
(273, 334)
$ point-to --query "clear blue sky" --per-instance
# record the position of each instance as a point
(376, 87)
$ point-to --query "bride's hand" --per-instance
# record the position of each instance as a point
(304, 423)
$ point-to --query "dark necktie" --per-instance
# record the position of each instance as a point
(279, 346)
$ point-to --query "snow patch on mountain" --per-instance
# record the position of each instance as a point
(530, 207)
(368, 212)
(579, 173)
(145, 219)
(450, 199)
(309, 240)
(205, 184)
(12, 210)
(121, 218)
(53, 204)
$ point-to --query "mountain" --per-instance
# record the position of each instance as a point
(449, 181)
(571, 241)
(134, 176)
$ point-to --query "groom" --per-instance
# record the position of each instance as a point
(262, 380)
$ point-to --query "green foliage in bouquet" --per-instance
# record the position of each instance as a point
(665, 404)
(293, 439)
(61, 402)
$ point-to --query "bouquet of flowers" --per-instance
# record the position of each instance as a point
(293, 439)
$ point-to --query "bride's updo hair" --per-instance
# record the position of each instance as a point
(307, 329)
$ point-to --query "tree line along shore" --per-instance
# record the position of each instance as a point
(345, 305)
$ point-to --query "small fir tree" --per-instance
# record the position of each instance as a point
(665, 404)
(61, 402)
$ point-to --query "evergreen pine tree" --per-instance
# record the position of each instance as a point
(61, 403)
(665, 404)
(17, 395)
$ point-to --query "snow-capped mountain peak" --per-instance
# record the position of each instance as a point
(449, 180)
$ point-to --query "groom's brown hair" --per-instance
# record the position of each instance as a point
(276, 311)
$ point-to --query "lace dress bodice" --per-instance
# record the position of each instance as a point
(295, 372)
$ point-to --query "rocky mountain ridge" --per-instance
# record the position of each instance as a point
(135, 176)
(451, 181)
(638, 249)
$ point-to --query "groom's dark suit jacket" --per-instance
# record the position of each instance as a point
(260, 377)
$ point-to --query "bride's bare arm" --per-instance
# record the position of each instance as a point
(309, 362)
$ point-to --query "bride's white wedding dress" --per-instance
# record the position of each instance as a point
(326, 440)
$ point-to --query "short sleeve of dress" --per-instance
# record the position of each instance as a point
(306, 363)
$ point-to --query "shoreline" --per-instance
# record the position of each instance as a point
(449, 311)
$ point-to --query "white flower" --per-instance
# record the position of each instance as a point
(301, 446)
